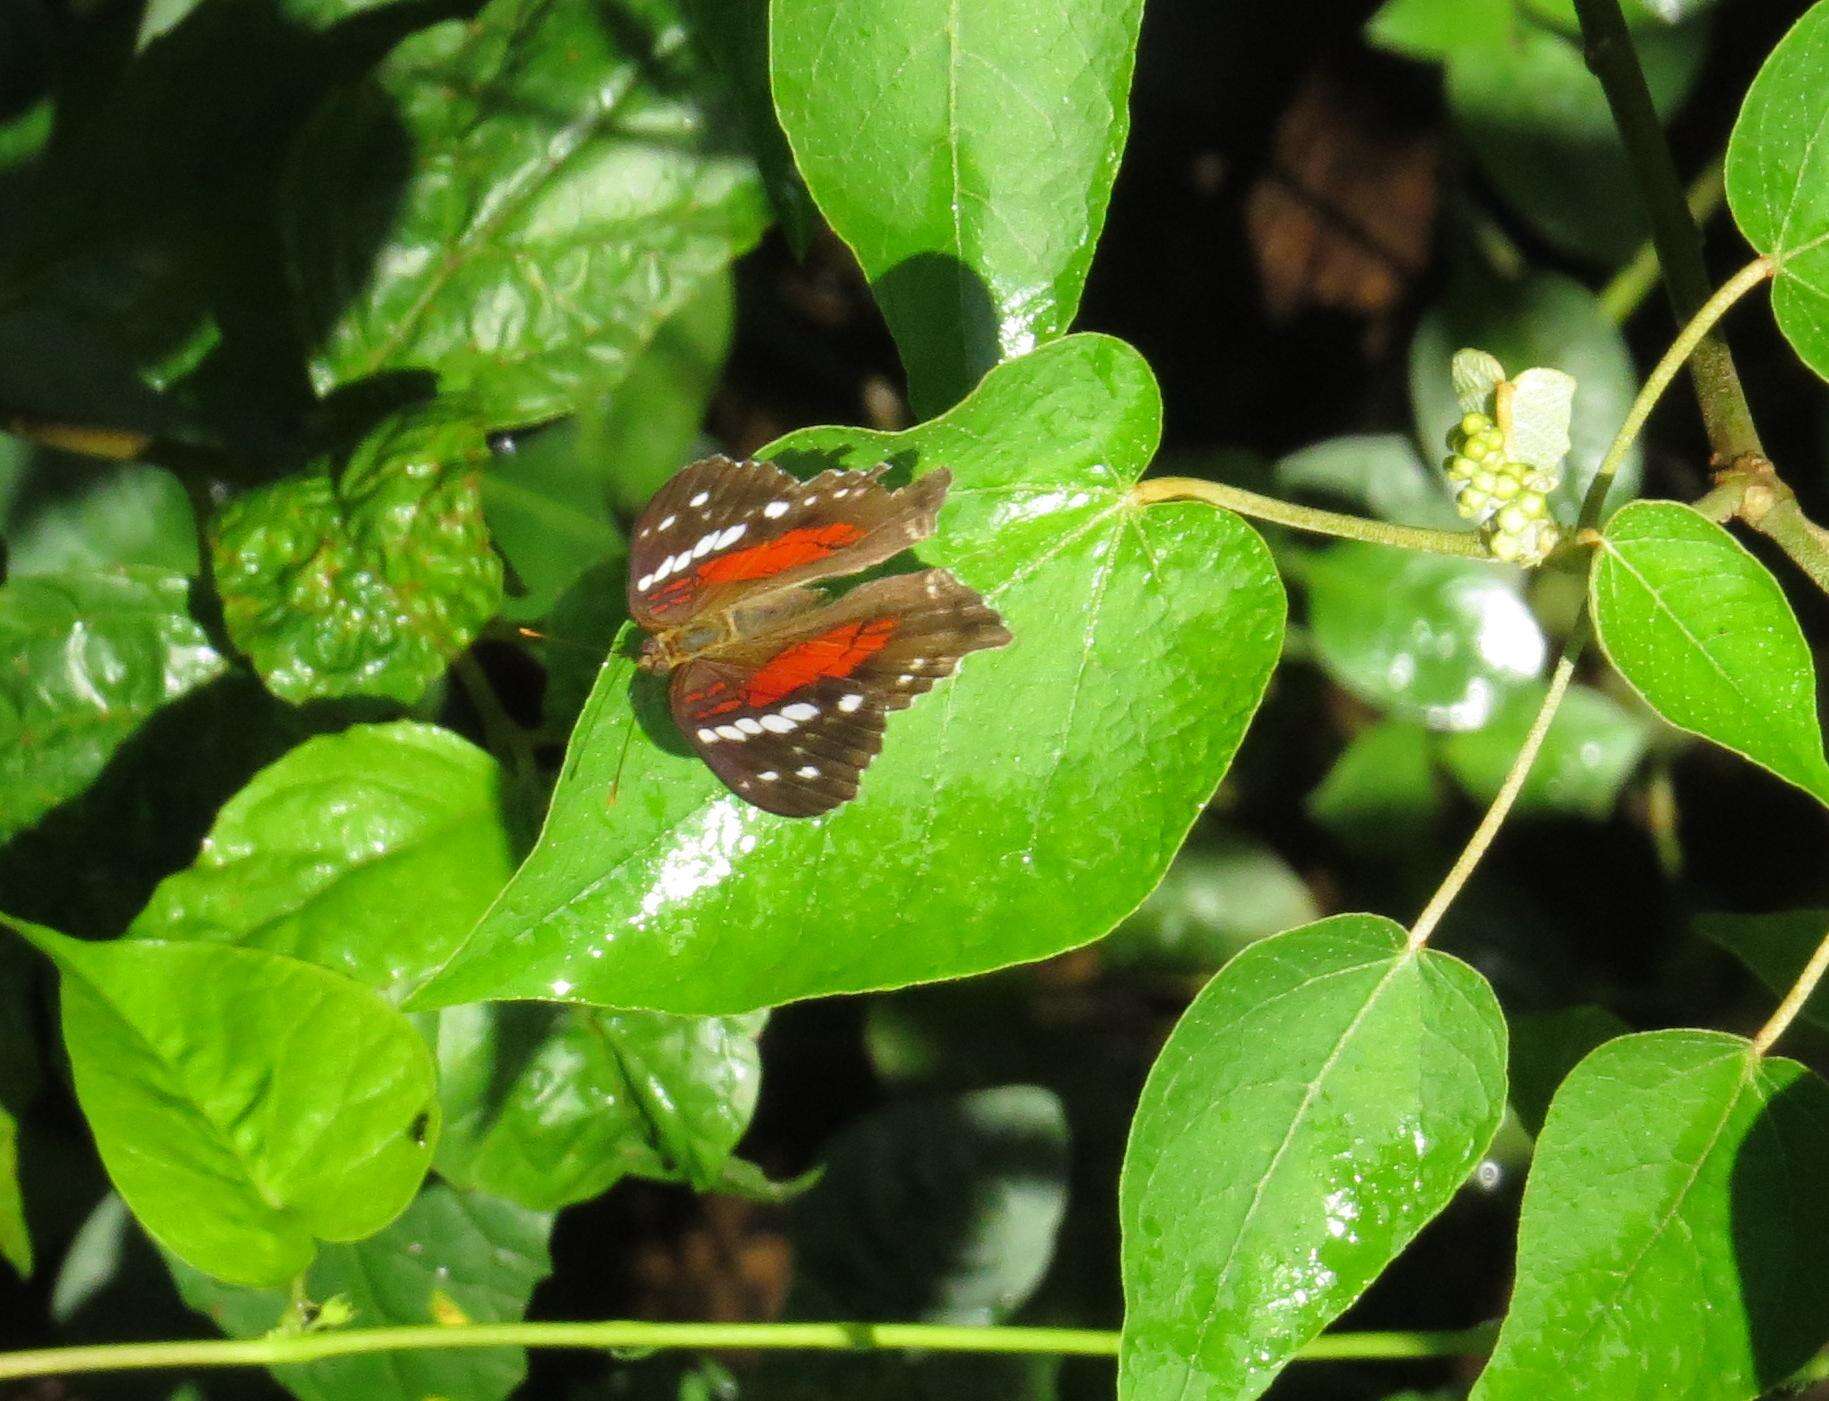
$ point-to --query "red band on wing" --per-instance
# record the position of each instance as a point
(796, 547)
(836, 653)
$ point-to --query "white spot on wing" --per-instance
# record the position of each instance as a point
(730, 536)
(749, 726)
(708, 736)
(777, 724)
(807, 771)
(707, 542)
(668, 523)
(800, 711)
(768, 775)
(700, 499)
(850, 703)
(642, 584)
(731, 732)
(775, 510)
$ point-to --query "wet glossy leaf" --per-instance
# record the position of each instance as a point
(1316, 1105)
(449, 1256)
(1542, 319)
(1668, 1244)
(1545, 1047)
(15, 1239)
(1540, 130)
(371, 852)
(1214, 901)
(1701, 629)
(516, 204)
(1778, 181)
(123, 515)
(369, 580)
(549, 1106)
(966, 153)
(245, 1104)
(943, 1210)
(1775, 947)
(1376, 472)
(89, 657)
(1066, 769)
(1592, 748)
(1381, 791)
(1425, 637)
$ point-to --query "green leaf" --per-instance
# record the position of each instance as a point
(449, 1257)
(1024, 808)
(1592, 747)
(966, 153)
(15, 1239)
(1213, 902)
(1541, 132)
(1440, 29)
(1775, 947)
(550, 521)
(1542, 319)
(1376, 472)
(1320, 1100)
(371, 852)
(367, 582)
(549, 1106)
(1545, 1047)
(1427, 638)
(1778, 181)
(1702, 631)
(516, 204)
(124, 515)
(1669, 1243)
(90, 658)
(1381, 791)
(941, 1210)
(246, 1105)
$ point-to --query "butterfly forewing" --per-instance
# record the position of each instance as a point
(722, 531)
(791, 719)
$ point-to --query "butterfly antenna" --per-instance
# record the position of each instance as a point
(535, 635)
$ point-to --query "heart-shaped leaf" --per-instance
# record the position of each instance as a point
(450, 1257)
(371, 852)
(1703, 632)
(1024, 808)
(368, 581)
(1778, 181)
(133, 514)
(549, 1106)
(1671, 1229)
(1319, 1101)
(516, 203)
(90, 657)
(296, 1104)
(966, 153)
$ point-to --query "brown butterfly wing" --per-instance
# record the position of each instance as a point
(721, 532)
(791, 720)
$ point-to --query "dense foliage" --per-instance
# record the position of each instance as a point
(375, 955)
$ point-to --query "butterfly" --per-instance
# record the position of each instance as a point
(782, 690)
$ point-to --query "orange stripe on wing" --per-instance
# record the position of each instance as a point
(796, 547)
(836, 653)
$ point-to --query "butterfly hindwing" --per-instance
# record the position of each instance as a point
(722, 531)
(789, 721)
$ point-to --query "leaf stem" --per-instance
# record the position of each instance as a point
(278, 1350)
(1794, 999)
(1482, 838)
(1465, 544)
(1674, 232)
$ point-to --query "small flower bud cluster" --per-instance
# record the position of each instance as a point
(1510, 500)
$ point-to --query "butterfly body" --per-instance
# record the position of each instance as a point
(780, 689)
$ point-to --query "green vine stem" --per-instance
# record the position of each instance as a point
(1693, 334)
(1794, 999)
(1465, 544)
(280, 1350)
(1674, 232)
